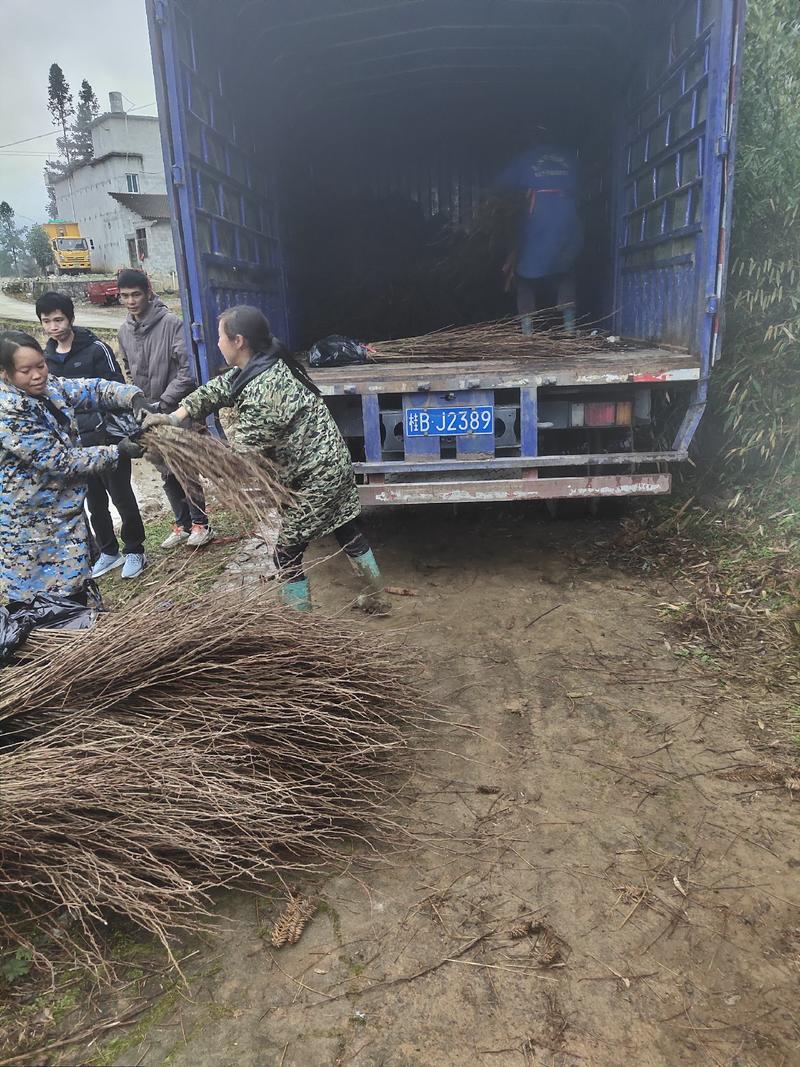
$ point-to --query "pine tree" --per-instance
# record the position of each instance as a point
(61, 106)
(81, 146)
(12, 237)
(49, 177)
(39, 247)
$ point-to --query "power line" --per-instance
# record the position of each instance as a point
(57, 133)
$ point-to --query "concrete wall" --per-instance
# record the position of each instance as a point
(135, 143)
(161, 250)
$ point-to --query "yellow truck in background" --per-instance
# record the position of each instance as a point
(70, 250)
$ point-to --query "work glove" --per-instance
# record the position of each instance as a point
(130, 448)
(151, 421)
(141, 407)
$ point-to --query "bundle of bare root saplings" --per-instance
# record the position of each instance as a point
(182, 745)
(500, 339)
(244, 483)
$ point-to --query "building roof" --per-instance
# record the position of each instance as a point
(147, 205)
(122, 115)
(115, 154)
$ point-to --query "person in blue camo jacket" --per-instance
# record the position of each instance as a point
(43, 471)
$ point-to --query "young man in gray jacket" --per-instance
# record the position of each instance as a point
(151, 342)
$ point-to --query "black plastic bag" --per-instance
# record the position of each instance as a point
(120, 424)
(336, 351)
(57, 612)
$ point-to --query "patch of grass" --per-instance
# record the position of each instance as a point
(324, 907)
(119, 1046)
(206, 564)
(124, 948)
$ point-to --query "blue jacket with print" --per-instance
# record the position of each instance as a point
(43, 542)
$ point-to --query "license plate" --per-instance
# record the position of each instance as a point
(448, 422)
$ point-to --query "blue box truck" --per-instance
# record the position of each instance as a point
(275, 113)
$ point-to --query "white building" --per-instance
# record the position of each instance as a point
(119, 198)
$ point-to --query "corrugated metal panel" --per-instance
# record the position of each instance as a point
(230, 244)
(669, 203)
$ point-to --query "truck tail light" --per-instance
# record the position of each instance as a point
(611, 413)
(600, 414)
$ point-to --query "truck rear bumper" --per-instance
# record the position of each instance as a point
(456, 492)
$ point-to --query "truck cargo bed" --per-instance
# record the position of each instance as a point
(593, 368)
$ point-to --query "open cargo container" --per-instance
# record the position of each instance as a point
(273, 113)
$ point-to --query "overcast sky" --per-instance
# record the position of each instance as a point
(104, 41)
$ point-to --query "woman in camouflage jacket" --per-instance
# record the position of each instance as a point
(282, 415)
(43, 532)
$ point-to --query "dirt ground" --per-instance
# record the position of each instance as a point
(576, 877)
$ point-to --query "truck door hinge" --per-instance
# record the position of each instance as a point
(177, 174)
(197, 332)
(724, 147)
(712, 304)
(160, 11)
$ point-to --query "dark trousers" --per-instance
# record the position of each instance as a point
(534, 294)
(289, 558)
(116, 484)
(188, 505)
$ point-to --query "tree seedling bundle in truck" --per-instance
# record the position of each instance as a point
(70, 250)
(307, 145)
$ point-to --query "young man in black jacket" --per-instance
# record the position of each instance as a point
(75, 352)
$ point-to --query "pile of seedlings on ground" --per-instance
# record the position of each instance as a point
(182, 745)
(502, 338)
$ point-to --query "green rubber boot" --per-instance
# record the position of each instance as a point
(373, 599)
(296, 595)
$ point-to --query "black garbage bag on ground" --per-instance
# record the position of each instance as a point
(17, 619)
(337, 351)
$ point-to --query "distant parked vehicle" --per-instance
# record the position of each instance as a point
(70, 249)
(103, 293)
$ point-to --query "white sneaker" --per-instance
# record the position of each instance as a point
(177, 537)
(200, 535)
(106, 563)
(135, 563)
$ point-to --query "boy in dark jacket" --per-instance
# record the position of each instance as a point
(74, 352)
(151, 342)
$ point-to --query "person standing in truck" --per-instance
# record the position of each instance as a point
(75, 352)
(151, 343)
(282, 416)
(550, 235)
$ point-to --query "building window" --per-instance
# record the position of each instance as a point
(133, 182)
(141, 244)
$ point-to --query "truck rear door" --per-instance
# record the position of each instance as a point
(676, 158)
(224, 211)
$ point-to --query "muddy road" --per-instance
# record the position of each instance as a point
(579, 877)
